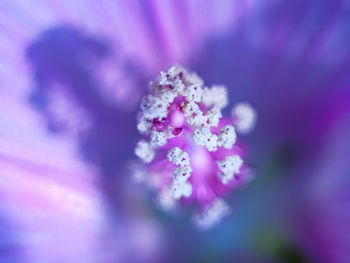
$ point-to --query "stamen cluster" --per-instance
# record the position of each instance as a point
(190, 150)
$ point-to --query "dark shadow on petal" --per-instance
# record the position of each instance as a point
(10, 249)
(71, 94)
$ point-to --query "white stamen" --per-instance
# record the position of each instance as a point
(213, 116)
(179, 87)
(144, 125)
(216, 96)
(158, 139)
(193, 78)
(180, 189)
(163, 80)
(174, 71)
(227, 137)
(212, 215)
(229, 167)
(144, 151)
(194, 93)
(154, 107)
(203, 136)
(245, 117)
(166, 200)
(168, 96)
(194, 116)
(178, 157)
(182, 173)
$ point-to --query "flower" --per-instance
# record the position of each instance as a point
(72, 75)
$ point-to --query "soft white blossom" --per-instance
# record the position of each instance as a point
(244, 116)
(229, 167)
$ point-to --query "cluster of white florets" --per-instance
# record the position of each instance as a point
(245, 117)
(169, 85)
(178, 82)
(212, 214)
(197, 108)
(144, 151)
(155, 106)
(180, 187)
(229, 167)
(217, 95)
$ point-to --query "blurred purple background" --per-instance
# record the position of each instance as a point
(71, 77)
